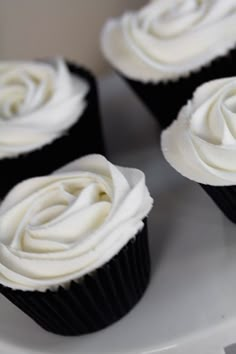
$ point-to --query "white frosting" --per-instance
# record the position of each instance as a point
(167, 39)
(60, 227)
(39, 102)
(201, 143)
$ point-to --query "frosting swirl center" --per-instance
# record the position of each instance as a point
(24, 88)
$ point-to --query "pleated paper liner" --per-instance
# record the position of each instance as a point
(164, 100)
(97, 300)
(225, 199)
(84, 137)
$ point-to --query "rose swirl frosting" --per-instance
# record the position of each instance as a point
(201, 142)
(38, 103)
(57, 228)
(168, 39)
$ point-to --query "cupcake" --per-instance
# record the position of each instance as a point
(48, 117)
(201, 143)
(168, 48)
(74, 250)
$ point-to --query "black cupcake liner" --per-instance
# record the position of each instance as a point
(225, 199)
(84, 137)
(165, 99)
(95, 301)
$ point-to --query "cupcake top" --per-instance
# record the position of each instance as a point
(201, 143)
(168, 39)
(57, 228)
(39, 102)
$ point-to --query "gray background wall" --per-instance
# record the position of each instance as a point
(39, 28)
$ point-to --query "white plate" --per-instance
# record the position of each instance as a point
(190, 305)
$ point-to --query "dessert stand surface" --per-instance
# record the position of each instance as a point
(190, 305)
